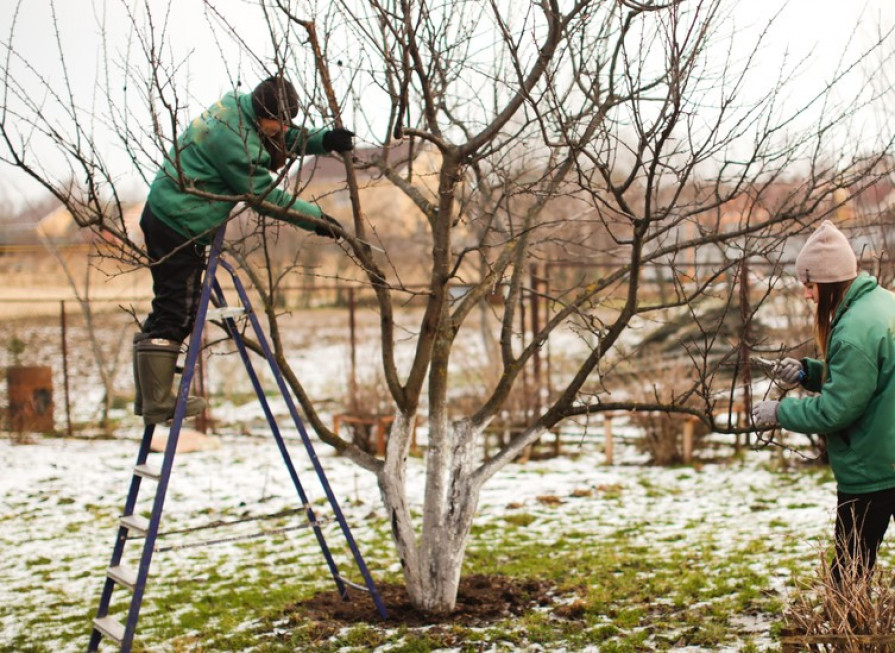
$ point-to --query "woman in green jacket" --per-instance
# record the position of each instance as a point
(854, 382)
(226, 155)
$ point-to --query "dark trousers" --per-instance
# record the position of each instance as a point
(861, 524)
(176, 266)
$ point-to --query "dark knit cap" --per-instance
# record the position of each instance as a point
(275, 98)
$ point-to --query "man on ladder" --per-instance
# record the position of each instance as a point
(229, 151)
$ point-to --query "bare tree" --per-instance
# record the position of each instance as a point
(615, 136)
(106, 355)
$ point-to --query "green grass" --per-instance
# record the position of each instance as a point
(623, 590)
(627, 597)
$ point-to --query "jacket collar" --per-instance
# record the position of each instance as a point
(859, 287)
(244, 101)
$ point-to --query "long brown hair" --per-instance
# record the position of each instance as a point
(829, 297)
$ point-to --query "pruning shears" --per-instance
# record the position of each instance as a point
(771, 368)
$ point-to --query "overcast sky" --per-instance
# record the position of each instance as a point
(822, 26)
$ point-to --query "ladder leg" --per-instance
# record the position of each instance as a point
(189, 369)
(121, 538)
(309, 447)
(281, 444)
(133, 524)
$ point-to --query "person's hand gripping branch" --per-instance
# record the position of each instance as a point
(329, 230)
(789, 373)
(338, 140)
(764, 413)
(335, 140)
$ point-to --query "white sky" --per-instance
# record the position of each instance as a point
(822, 26)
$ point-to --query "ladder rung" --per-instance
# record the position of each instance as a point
(362, 588)
(123, 576)
(136, 524)
(148, 471)
(109, 627)
(224, 312)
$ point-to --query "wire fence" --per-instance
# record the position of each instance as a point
(55, 330)
(68, 335)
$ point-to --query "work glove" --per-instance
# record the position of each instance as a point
(764, 413)
(338, 140)
(326, 230)
(790, 371)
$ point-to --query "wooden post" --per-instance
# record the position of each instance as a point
(379, 425)
(688, 439)
(68, 429)
(352, 337)
(607, 437)
(382, 424)
(337, 421)
(534, 307)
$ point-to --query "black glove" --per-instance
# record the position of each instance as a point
(326, 230)
(338, 140)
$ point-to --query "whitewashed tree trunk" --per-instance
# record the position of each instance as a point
(432, 562)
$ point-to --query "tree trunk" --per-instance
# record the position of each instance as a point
(432, 562)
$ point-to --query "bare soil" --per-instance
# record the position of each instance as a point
(482, 599)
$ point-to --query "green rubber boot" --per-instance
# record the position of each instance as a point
(138, 393)
(156, 363)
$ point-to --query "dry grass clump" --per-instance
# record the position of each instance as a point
(855, 614)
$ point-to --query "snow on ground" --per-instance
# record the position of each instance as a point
(60, 499)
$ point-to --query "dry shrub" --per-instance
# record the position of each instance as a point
(854, 615)
(663, 437)
(370, 401)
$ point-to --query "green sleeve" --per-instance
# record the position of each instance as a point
(247, 175)
(286, 202)
(301, 141)
(842, 399)
(814, 374)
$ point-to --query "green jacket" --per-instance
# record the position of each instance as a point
(221, 152)
(855, 406)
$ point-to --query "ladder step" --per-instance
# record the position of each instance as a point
(123, 576)
(148, 471)
(111, 628)
(362, 588)
(224, 312)
(136, 524)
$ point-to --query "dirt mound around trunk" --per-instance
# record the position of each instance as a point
(482, 599)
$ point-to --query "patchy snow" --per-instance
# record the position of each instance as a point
(61, 497)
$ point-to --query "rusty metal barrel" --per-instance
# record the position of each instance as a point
(30, 392)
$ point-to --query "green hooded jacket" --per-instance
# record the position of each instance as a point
(855, 407)
(221, 153)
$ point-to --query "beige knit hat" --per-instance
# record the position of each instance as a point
(826, 257)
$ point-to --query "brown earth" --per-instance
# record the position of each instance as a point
(482, 599)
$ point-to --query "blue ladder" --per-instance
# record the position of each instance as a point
(133, 526)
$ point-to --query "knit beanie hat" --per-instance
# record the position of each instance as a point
(826, 257)
(275, 98)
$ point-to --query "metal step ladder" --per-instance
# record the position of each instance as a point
(135, 526)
